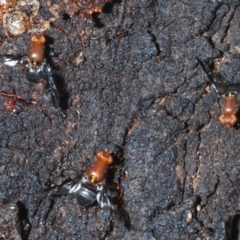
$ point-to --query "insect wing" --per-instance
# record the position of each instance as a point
(53, 91)
(51, 87)
(103, 200)
(10, 60)
(63, 189)
(217, 79)
(71, 186)
(220, 83)
(223, 87)
(206, 69)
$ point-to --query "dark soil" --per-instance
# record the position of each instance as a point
(130, 84)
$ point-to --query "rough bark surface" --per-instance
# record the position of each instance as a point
(144, 98)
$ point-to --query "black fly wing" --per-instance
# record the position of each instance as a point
(70, 186)
(220, 83)
(11, 60)
(206, 69)
(52, 89)
(217, 79)
(103, 200)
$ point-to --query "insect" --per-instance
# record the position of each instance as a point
(91, 187)
(37, 68)
(229, 96)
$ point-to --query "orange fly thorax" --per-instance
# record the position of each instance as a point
(230, 106)
(97, 171)
(36, 52)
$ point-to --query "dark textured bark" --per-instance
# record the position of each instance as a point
(142, 97)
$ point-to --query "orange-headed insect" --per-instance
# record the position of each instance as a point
(228, 92)
(37, 68)
(91, 187)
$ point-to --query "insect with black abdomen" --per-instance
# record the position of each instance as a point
(229, 96)
(37, 68)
